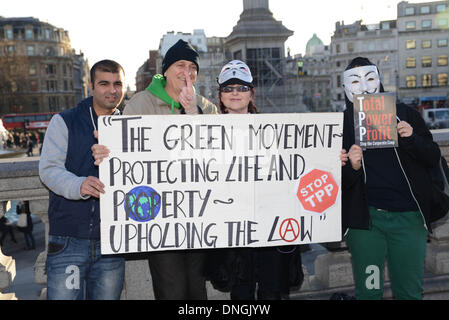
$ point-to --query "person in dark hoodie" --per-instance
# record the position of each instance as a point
(76, 270)
(386, 196)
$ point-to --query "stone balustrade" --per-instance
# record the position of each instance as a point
(332, 272)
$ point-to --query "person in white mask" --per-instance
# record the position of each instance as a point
(386, 196)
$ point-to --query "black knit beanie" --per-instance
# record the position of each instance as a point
(181, 50)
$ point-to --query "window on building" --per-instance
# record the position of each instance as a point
(442, 79)
(50, 69)
(9, 34)
(426, 80)
(409, 11)
(53, 104)
(425, 10)
(13, 86)
(238, 55)
(32, 70)
(49, 51)
(47, 33)
(442, 60)
(410, 81)
(13, 69)
(411, 62)
(442, 23)
(410, 44)
(29, 34)
(441, 7)
(426, 24)
(426, 61)
(10, 50)
(35, 104)
(442, 42)
(337, 48)
(30, 50)
(33, 85)
(350, 47)
(426, 44)
(52, 85)
(385, 26)
(410, 25)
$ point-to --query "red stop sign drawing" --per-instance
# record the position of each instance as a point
(317, 191)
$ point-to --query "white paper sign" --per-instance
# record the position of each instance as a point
(218, 181)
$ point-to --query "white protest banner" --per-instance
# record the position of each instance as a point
(218, 181)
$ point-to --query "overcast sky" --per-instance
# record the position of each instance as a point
(126, 30)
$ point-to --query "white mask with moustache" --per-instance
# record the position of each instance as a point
(361, 80)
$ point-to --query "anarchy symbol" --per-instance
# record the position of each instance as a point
(289, 230)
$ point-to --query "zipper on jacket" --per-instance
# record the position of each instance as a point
(410, 187)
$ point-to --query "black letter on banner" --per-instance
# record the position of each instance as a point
(125, 131)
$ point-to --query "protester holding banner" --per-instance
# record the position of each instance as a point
(239, 270)
(386, 195)
(75, 267)
(175, 275)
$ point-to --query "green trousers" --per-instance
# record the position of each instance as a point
(398, 237)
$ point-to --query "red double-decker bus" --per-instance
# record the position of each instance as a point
(29, 121)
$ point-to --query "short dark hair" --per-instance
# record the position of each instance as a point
(105, 66)
(359, 62)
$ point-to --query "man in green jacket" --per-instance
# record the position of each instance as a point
(176, 275)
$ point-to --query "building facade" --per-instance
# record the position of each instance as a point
(316, 76)
(146, 72)
(423, 51)
(39, 70)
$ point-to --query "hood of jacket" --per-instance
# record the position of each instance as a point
(157, 88)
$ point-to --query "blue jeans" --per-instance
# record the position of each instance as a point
(76, 270)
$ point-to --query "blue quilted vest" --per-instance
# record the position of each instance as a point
(77, 218)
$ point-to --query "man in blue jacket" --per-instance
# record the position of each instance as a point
(75, 267)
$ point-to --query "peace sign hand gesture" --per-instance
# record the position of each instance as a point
(187, 97)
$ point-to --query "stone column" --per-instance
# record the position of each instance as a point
(334, 269)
